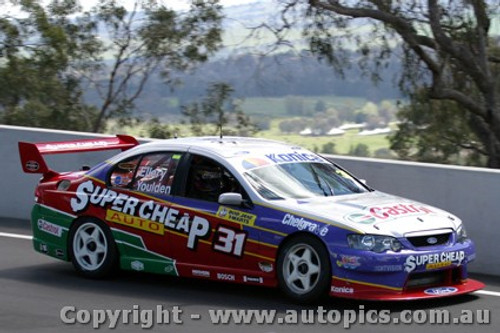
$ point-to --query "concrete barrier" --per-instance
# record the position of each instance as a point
(473, 194)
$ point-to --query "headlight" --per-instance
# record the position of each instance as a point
(461, 234)
(373, 243)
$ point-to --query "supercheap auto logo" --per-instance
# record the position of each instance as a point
(144, 215)
(434, 261)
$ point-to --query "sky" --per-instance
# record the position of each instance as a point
(174, 4)
(7, 9)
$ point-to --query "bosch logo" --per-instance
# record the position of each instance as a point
(440, 291)
(432, 240)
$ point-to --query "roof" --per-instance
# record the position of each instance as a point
(226, 146)
(242, 153)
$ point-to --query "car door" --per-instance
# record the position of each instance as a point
(227, 241)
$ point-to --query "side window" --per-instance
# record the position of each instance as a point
(207, 179)
(123, 173)
(155, 173)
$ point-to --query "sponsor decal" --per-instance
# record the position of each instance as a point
(49, 227)
(302, 224)
(349, 262)
(135, 222)
(253, 162)
(154, 187)
(121, 180)
(118, 180)
(136, 265)
(200, 273)
(32, 165)
(169, 269)
(440, 290)
(342, 290)
(253, 279)
(360, 218)
(72, 145)
(432, 240)
(236, 216)
(434, 261)
(150, 173)
(387, 212)
(388, 268)
(59, 253)
(265, 266)
(151, 180)
(294, 157)
(145, 215)
(44, 248)
(226, 277)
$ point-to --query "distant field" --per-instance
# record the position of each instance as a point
(342, 144)
(276, 106)
(315, 143)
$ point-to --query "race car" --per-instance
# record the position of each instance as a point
(243, 210)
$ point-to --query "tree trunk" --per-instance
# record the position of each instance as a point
(494, 146)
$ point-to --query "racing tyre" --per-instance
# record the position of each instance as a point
(92, 249)
(304, 269)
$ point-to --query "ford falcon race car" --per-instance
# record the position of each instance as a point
(243, 210)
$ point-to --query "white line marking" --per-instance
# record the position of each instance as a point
(487, 292)
(20, 236)
(7, 234)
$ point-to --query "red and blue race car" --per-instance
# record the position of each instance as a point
(243, 210)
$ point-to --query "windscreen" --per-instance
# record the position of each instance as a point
(302, 180)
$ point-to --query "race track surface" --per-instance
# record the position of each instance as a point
(34, 288)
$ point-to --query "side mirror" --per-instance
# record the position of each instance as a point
(231, 198)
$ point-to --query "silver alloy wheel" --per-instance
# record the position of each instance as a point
(90, 246)
(301, 268)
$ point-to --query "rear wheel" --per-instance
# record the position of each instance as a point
(304, 269)
(93, 250)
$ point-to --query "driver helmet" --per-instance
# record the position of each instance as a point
(207, 179)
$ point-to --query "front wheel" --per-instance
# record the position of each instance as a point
(304, 269)
(92, 248)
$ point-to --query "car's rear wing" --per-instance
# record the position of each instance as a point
(32, 153)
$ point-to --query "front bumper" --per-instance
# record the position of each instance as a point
(406, 275)
(357, 290)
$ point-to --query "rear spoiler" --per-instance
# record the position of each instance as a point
(33, 161)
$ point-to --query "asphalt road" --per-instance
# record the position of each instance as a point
(35, 288)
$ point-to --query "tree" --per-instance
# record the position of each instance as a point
(218, 114)
(446, 47)
(38, 83)
(436, 131)
(360, 150)
(320, 106)
(328, 148)
(155, 129)
(59, 49)
(294, 125)
(142, 42)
